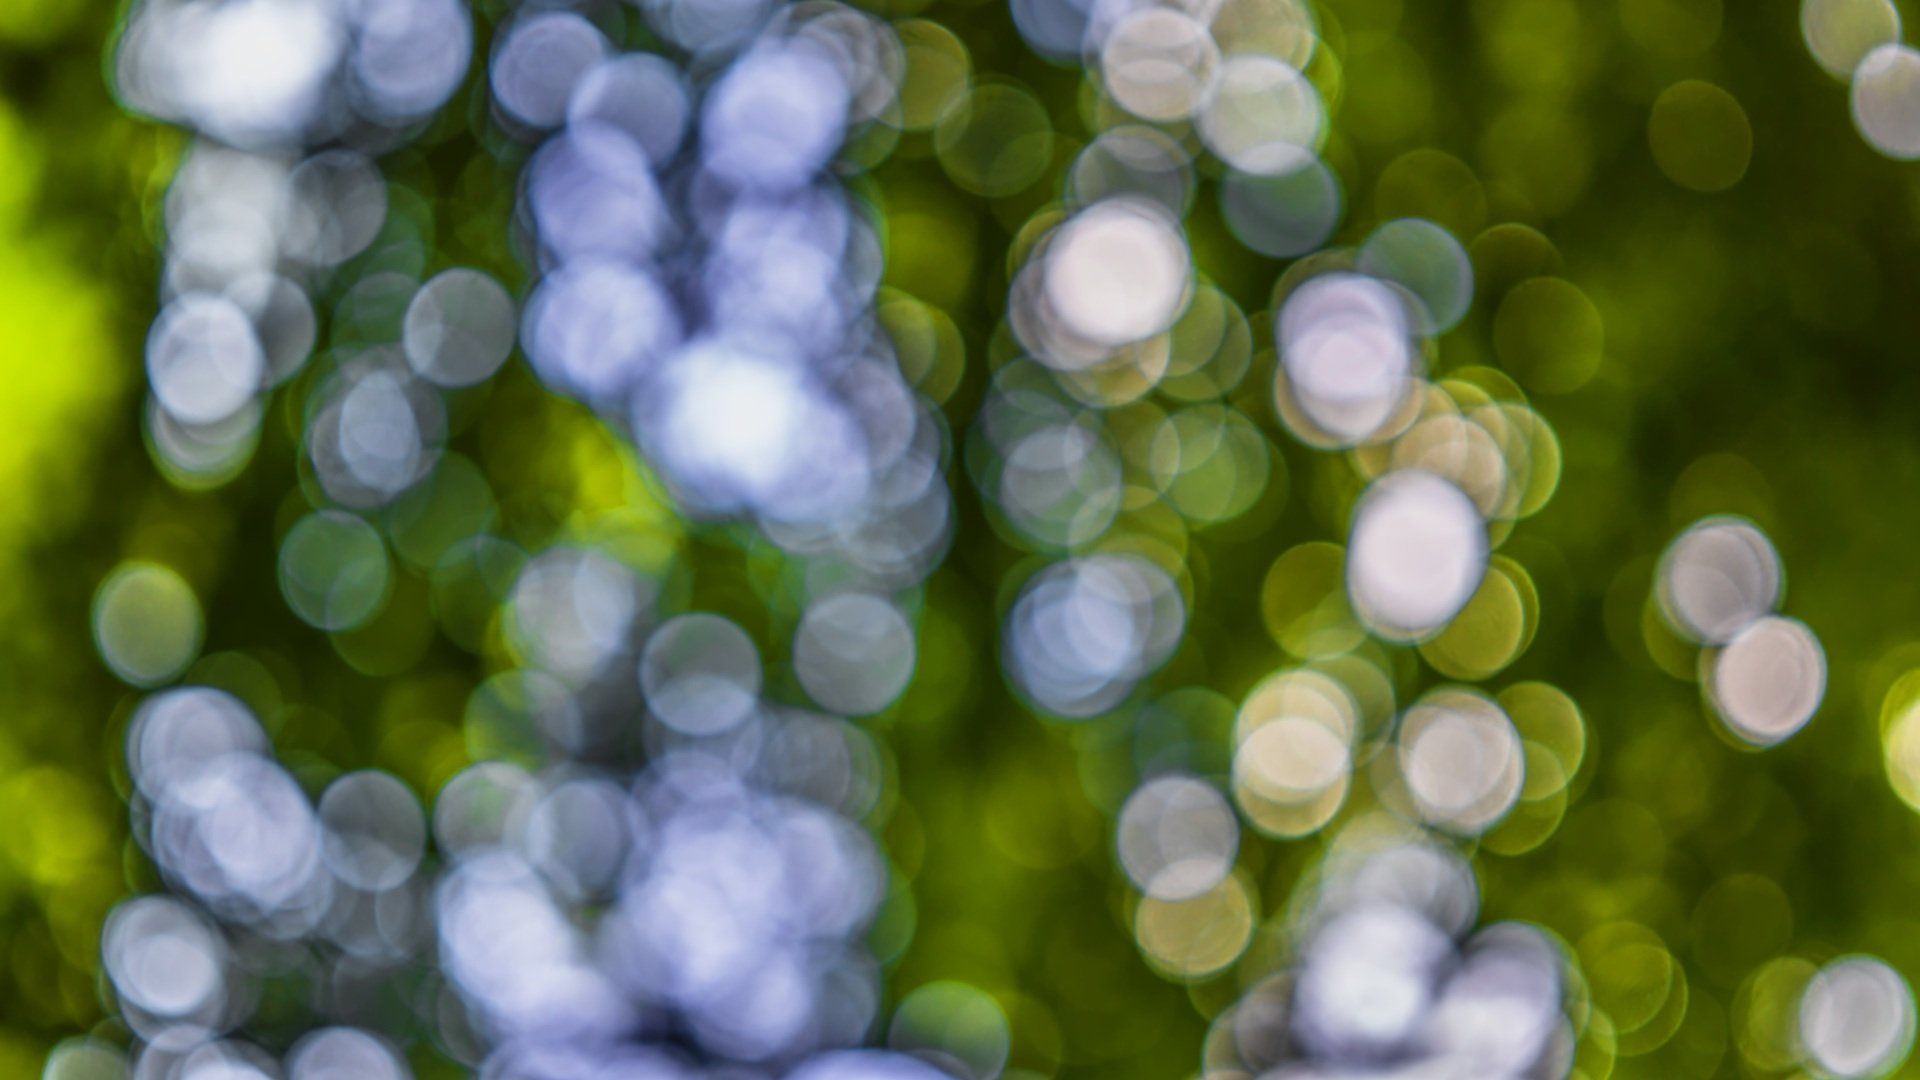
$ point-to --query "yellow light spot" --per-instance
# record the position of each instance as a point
(1304, 602)
(1839, 33)
(937, 71)
(1549, 719)
(1493, 629)
(146, 623)
(1900, 737)
(1190, 939)
(1765, 1014)
(1700, 136)
(932, 355)
(1548, 335)
(1633, 976)
(996, 141)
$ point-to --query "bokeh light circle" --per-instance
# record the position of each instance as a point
(1417, 553)
(147, 623)
(1856, 1018)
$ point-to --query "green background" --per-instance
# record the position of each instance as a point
(1756, 354)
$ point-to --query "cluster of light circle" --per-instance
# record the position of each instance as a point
(1858, 42)
(705, 286)
(1766, 679)
(1108, 440)
(277, 202)
(263, 884)
(714, 849)
(1391, 977)
(1719, 585)
(292, 100)
(689, 895)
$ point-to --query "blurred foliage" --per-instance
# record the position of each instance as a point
(75, 267)
(1685, 254)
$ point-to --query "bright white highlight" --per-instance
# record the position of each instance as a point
(1347, 356)
(1886, 101)
(1417, 553)
(1717, 578)
(1177, 838)
(1856, 1018)
(1462, 760)
(1769, 681)
(1117, 273)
